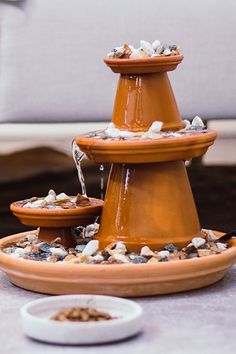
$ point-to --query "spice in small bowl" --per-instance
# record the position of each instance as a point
(81, 314)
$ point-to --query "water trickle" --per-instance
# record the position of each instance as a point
(101, 169)
(78, 155)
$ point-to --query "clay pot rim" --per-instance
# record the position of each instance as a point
(144, 65)
(58, 212)
(162, 142)
(7, 263)
(172, 59)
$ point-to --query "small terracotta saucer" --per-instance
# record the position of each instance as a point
(144, 66)
(58, 222)
(125, 280)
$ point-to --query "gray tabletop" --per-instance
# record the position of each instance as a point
(201, 321)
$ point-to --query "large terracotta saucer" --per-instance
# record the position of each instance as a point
(58, 222)
(125, 280)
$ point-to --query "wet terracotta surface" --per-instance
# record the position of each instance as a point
(147, 205)
(125, 280)
(58, 223)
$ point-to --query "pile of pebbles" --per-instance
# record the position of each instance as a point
(53, 201)
(146, 50)
(87, 250)
(154, 132)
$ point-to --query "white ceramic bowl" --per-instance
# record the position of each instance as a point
(37, 324)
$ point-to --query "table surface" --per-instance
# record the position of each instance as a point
(200, 321)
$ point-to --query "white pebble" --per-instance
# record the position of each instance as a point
(222, 247)
(49, 199)
(121, 258)
(20, 251)
(167, 52)
(52, 192)
(126, 134)
(187, 125)
(62, 196)
(147, 47)
(121, 246)
(146, 251)
(38, 203)
(135, 54)
(211, 237)
(112, 132)
(91, 230)
(155, 127)
(98, 258)
(164, 254)
(58, 251)
(156, 44)
(31, 238)
(197, 122)
(91, 248)
(198, 242)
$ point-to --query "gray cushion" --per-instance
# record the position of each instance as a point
(51, 55)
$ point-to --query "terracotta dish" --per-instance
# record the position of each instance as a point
(125, 280)
(58, 222)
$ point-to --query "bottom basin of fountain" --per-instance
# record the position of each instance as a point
(125, 280)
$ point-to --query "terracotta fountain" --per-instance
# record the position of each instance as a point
(148, 199)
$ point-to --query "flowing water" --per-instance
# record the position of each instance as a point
(101, 169)
(78, 155)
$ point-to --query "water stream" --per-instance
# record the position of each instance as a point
(101, 169)
(78, 155)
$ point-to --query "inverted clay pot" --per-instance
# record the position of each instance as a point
(58, 223)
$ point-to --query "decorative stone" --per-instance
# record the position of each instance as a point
(156, 44)
(139, 259)
(210, 236)
(163, 254)
(62, 197)
(171, 248)
(70, 258)
(147, 47)
(98, 258)
(57, 251)
(221, 246)
(198, 242)
(31, 238)
(198, 123)
(80, 248)
(204, 252)
(91, 248)
(192, 255)
(19, 251)
(156, 127)
(120, 257)
(44, 246)
(146, 251)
